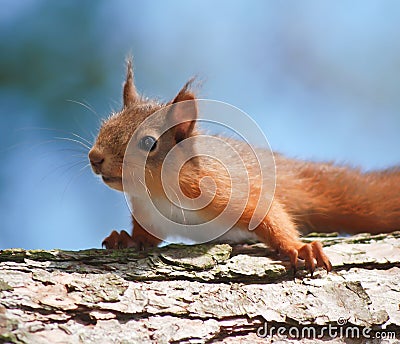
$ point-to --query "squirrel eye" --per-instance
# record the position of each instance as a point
(148, 143)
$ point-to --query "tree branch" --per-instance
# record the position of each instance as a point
(204, 293)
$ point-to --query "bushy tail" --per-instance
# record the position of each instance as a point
(325, 197)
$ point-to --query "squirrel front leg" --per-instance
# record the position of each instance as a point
(279, 232)
(140, 238)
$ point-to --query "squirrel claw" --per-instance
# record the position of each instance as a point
(118, 240)
(311, 253)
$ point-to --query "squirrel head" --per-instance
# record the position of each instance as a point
(150, 138)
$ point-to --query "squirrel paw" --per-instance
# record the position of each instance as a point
(144, 242)
(123, 240)
(311, 253)
(118, 240)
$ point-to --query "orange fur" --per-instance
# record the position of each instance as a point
(326, 198)
(308, 196)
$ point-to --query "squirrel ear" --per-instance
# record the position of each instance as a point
(130, 95)
(183, 113)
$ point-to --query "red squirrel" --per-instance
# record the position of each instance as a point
(308, 196)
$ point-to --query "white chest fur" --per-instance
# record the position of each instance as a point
(174, 224)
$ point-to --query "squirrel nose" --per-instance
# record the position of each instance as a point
(96, 158)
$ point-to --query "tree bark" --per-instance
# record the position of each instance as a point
(199, 294)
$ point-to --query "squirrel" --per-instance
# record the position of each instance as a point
(308, 196)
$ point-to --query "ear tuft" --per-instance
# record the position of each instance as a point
(185, 93)
(130, 95)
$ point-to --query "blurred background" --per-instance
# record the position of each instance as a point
(322, 79)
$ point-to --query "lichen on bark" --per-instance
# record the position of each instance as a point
(196, 294)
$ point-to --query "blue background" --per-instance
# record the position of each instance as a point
(322, 79)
